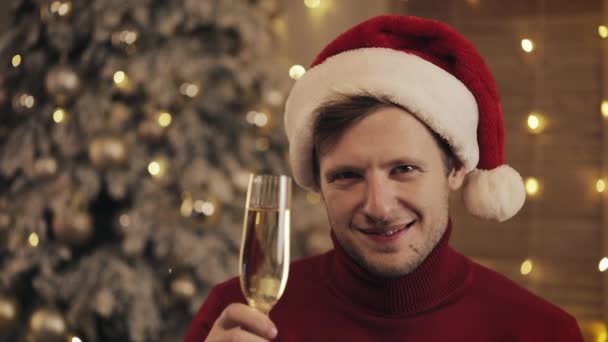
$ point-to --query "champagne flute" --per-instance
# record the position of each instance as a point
(264, 255)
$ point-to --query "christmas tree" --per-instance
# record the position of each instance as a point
(128, 131)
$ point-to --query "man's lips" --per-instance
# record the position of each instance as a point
(386, 231)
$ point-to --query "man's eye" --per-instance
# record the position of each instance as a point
(344, 176)
(405, 168)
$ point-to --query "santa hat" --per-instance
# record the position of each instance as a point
(431, 70)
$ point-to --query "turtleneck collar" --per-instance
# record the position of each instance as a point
(441, 275)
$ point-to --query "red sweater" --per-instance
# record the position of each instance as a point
(448, 298)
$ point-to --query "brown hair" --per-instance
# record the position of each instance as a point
(335, 116)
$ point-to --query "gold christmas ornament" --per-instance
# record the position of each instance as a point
(107, 151)
(9, 314)
(75, 231)
(62, 82)
(47, 326)
(45, 167)
(120, 114)
(183, 287)
(23, 102)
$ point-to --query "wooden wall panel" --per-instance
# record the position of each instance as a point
(564, 229)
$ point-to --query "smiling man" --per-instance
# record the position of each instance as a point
(393, 116)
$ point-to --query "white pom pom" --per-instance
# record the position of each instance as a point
(496, 194)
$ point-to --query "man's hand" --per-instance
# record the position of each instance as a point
(239, 322)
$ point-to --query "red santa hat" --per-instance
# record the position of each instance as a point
(429, 68)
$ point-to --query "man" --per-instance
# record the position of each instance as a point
(394, 115)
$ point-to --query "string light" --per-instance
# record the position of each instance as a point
(119, 77)
(296, 71)
(312, 3)
(526, 267)
(16, 60)
(59, 115)
(602, 30)
(527, 45)
(600, 185)
(603, 265)
(164, 119)
(158, 167)
(536, 122)
(33, 240)
(604, 109)
(532, 186)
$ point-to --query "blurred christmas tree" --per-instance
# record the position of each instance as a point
(128, 131)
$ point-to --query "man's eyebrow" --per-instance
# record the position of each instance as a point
(404, 161)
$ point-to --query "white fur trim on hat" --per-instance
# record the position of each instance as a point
(495, 194)
(432, 94)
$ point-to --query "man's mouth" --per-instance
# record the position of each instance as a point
(387, 231)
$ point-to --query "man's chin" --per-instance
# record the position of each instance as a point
(383, 269)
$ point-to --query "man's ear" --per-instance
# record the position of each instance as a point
(456, 176)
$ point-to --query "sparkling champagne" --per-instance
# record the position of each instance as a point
(264, 256)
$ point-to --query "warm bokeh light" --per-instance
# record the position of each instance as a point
(119, 77)
(16, 61)
(313, 198)
(158, 167)
(76, 339)
(603, 266)
(296, 71)
(164, 119)
(526, 267)
(602, 30)
(312, 3)
(154, 168)
(604, 109)
(189, 89)
(536, 122)
(33, 239)
(600, 185)
(532, 186)
(260, 119)
(527, 45)
(59, 115)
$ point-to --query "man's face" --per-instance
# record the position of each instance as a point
(386, 191)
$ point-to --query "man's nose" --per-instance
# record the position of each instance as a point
(379, 200)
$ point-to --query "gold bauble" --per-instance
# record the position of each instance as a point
(9, 314)
(63, 82)
(47, 326)
(150, 129)
(75, 230)
(183, 287)
(107, 152)
(120, 114)
(45, 167)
